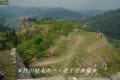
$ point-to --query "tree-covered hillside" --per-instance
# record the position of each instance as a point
(108, 23)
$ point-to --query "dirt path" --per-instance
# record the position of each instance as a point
(69, 54)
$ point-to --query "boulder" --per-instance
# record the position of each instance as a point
(2, 75)
(116, 76)
(13, 52)
(94, 79)
(72, 78)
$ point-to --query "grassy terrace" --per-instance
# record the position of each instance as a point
(79, 50)
(6, 65)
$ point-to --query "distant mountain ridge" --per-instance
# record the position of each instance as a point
(13, 15)
(39, 12)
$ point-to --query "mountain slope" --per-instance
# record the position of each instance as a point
(92, 13)
(107, 23)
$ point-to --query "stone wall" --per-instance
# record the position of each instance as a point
(113, 77)
(19, 64)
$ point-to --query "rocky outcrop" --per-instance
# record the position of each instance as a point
(19, 64)
(116, 76)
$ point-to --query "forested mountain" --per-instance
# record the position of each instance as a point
(108, 23)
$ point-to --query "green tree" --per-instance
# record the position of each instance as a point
(27, 50)
(2, 41)
(12, 40)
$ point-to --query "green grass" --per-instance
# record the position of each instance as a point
(113, 63)
(6, 65)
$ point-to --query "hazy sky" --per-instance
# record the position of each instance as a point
(70, 4)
